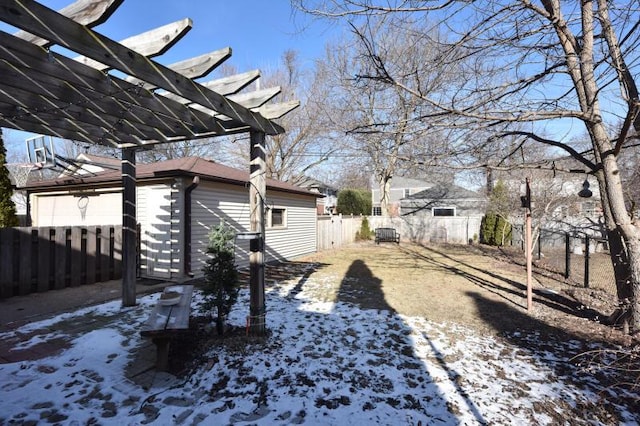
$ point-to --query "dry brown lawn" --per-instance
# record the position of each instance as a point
(476, 286)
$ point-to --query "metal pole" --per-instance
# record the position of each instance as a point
(257, 195)
(586, 261)
(129, 228)
(529, 248)
(567, 255)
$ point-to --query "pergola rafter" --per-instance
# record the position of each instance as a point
(89, 99)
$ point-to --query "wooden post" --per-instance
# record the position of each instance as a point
(129, 231)
(257, 195)
(528, 247)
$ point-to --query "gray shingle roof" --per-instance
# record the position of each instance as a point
(187, 166)
(445, 192)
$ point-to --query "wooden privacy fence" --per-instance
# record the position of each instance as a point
(336, 231)
(48, 258)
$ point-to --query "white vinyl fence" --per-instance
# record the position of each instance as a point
(421, 229)
(336, 231)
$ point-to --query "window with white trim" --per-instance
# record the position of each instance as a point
(277, 217)
(376, 211)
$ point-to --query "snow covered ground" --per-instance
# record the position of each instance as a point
(323, 363)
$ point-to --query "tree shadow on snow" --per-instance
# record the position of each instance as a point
(570, 358)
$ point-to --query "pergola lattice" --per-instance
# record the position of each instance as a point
(114, 94)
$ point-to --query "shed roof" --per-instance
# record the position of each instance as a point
(187, 166)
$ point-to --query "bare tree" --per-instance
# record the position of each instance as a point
(554, 66)
(385, 122)
(291, 154)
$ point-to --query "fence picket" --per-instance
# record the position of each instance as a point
(60, 260)
(7, 256)
(44, 259)
(91, 241)
(104, 253)
(26, 252)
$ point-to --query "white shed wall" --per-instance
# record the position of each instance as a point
(299, 236)
(213, 202)
(159, 248)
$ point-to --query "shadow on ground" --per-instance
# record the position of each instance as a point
(360, 287)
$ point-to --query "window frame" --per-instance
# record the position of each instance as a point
(452, 209)
(270, 218)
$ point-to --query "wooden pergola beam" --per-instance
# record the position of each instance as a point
(32, 16)
(86, 12)
(150, 43)
(275, 111)
(195, 67)
(70, 82)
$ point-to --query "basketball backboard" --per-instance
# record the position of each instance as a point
(40, 151)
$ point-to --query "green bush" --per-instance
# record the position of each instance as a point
(494, 230)
(220, 274)
(354, 201)
(8, 216)
(365, 233)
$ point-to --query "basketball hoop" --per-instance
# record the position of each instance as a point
(83, 202)
(19, 172)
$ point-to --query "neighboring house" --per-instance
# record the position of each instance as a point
(557, 207)
(401, 187)
(175, 211)
(443, 213)
(329, 200)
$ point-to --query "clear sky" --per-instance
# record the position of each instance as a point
(258, 32)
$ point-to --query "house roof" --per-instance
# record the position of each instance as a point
(312, 183)
(403, 182)
(445, 192)
(187, 166)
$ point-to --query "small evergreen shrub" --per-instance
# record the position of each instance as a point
(220, 274)
(365, 233)
(8, 216)
(494, 230)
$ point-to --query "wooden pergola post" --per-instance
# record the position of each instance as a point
(129, 227)
(257, 194)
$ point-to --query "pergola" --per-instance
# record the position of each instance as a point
(114, 94)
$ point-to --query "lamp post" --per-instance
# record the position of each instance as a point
(526, 203)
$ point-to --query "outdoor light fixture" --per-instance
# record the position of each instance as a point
(585, 192)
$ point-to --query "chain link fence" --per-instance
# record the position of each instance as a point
(583, 259)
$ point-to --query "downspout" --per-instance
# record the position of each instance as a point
(28, 220)
(187, 225)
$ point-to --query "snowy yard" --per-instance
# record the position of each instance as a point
(324, 362)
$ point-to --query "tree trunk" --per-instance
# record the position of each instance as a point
(385, 189)
(625, 236)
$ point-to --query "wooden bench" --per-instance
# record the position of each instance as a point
(168, 321)
(388, 235)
